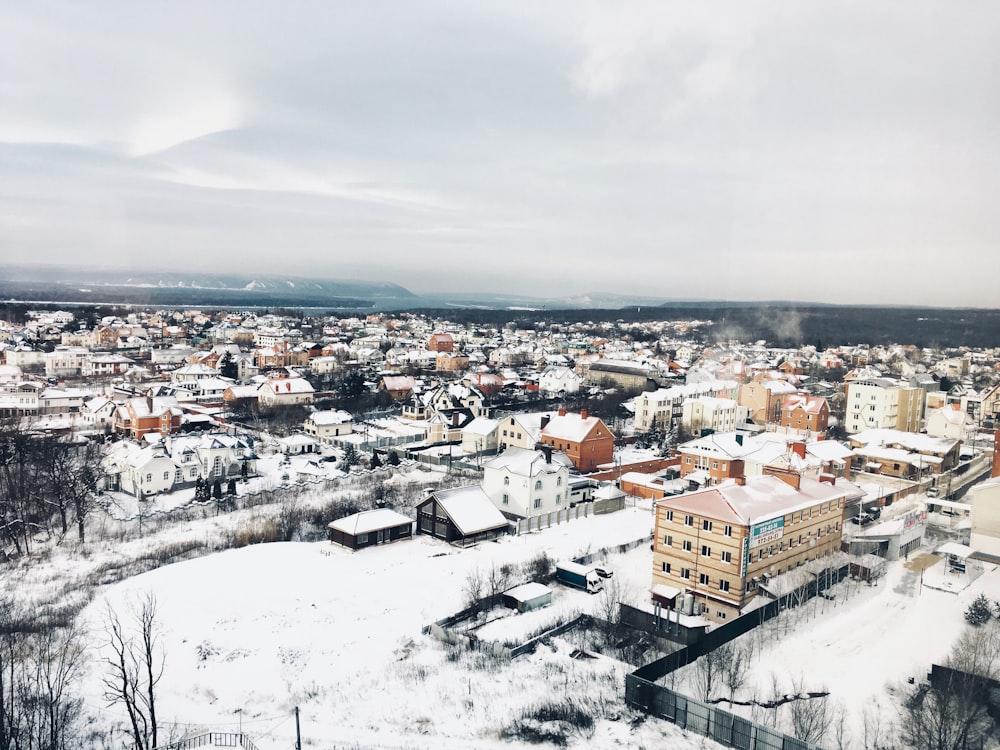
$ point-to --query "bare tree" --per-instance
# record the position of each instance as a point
(736, 669)
(39, 705)
(810, 716)
(838, 725)
(134, 668)
(951, 712)
(709, 669)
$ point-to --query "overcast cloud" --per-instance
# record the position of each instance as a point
(840, 152)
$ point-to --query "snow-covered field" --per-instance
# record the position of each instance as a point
(250, 634)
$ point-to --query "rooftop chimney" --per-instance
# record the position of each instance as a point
(546, 418)
(828, 478)
(562, 411)
(583, 413)
(798, 448)
(788, 476)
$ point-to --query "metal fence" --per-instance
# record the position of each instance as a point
(212, 739)
(642, 692)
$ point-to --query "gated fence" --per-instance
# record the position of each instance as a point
(642, 692)
(212, 739)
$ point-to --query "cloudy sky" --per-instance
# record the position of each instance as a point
(841, 152)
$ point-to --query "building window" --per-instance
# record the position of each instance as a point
(715, 465)
(558, 498)
(506, 480)
(727, 530)
(669, 515)
(706, 525)
(149, 477)
(538, 502)
(703, 579)
(538, 484)
(558, 481)
(723, 585)
(166, 475)
(727, 556)
(685, 573)
(668, 541)
(706, 551)
(687, 459)
(506, 499)
(689, 520)
(666, 567)
(686, 545)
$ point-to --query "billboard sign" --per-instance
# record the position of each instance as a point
(766, 532)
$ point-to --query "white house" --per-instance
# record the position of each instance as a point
(524, 483)
(708, 413)
(556, 379)
(285, 392)
(326, 425)
(985, 536)
(949, 422)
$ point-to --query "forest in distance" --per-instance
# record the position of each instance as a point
(778, 323)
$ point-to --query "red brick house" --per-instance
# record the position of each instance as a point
(585, 439)
(803, 412)
(441, 342)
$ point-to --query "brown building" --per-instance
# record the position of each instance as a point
(441, 342)
(722, 544)
(370, 527)
(586, 440)
(800, 411)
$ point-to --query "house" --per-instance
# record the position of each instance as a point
(557, 380)
(480, 436)
(800, 411)
(527, 597)
(142, 415)
(586, 440)
(285, 392)
(298, 444)
(763, 396)
(722, 544)
(327, 425)
(950, 421)
(461, 515)
(441, 342)
(521, 430)
(908, 455)
(523, 483)
(369, 528)
(99, 413)
(664, 407)
(400, 387)
(629, 376)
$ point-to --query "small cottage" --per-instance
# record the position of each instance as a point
(370, 527)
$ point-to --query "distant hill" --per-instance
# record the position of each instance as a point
(108, 286)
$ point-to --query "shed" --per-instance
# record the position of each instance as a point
(665, 596)
(956, 554)
(527, 596)
(461, 515)
(370, 527)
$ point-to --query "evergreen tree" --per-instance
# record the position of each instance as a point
(980, 611)
(217, 489)
(376, 462)
(393, 458)
(227, 367)
(350, 457)
(231, 488)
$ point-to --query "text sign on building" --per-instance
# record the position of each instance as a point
(744, 557)
(767, 532)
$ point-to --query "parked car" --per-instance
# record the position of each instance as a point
(933, 491)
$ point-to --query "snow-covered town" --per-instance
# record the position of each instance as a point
(402, 530)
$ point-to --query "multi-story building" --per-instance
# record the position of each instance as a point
(665, 406)
(721, 544)
(763, 398)
(881, 403)
(524, 483)
(706, 414)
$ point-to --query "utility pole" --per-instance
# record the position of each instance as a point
(298, 734)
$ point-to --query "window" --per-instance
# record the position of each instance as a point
(723, 585)
(558, 498)
(361, 539)
(687, 459)
(715, 465)
(703, 579)
(538, 502)
(506, 499)
(166, 475)
(727, 530)
(149, 477)
(668, 540)
(686, 545)
(706, 525)
(558, 481)
(538, 484)
(689, 520)
(685, 573)
(666, 567)
(727, 556)
(706, 551)
(506, 480)
(720, 615)
(669, 515)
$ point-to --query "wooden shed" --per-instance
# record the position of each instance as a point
(370, 527)
(461, 515)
